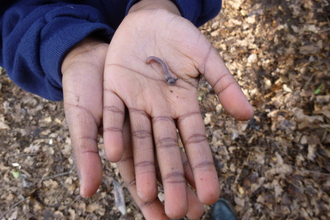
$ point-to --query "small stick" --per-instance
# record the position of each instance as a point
(59, 174)
(13, 206)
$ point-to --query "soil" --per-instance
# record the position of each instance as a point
(275, 166)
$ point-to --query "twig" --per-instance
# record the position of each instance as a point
(25, 155)
(13, 206)
(324, 136)
(308, 81)
(77, 197)
(324, 30)
(311, 171)
(59, 174)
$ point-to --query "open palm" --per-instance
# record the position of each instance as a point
(158, 110)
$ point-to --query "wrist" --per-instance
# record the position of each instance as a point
(85, 46)
(155, 4)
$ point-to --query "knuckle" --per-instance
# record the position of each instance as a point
(188, 115)
(162, 118)
(139, 112)
(166, 142)
(223, 83)
(195, 139)
(204, 166)
(174, 177)
(141, 134)
(146, 163)
(113, 109)
(112, 129)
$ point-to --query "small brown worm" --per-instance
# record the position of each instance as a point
(168, 78)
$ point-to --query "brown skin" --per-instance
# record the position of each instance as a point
(100, 81)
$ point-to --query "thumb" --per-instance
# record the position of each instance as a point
(225, 86)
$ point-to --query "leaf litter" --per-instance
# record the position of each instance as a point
(275, 166)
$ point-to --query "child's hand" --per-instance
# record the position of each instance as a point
(157, 109)
(82, 71)
(83, 86)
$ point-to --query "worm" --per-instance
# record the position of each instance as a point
(168, 78)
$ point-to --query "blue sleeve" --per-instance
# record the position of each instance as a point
(35, 37)
(197, 11)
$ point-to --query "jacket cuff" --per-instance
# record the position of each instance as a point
(196, 11)
(55, 48)
(199, 11)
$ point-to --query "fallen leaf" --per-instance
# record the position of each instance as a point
(93, 206)
(119, 197)
(15, 174)
(309, 49)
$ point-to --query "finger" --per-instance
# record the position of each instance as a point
(151, 210)
(199, 155)
(113, 119)
(225, 86)
(83, 121)
(187, 170)
(195, 207)
(146, 182)
(170, 165)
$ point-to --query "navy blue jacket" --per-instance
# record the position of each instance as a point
(36, 34)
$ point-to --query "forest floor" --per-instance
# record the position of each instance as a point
(275, 166)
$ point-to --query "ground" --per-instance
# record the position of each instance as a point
(275, 166)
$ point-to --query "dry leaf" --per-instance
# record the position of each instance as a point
(92, 207)
(119, 197)
(309, 49)
(50, 184)
(3, 124)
